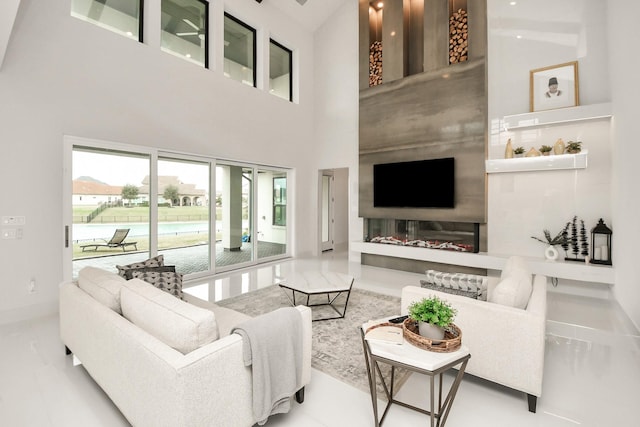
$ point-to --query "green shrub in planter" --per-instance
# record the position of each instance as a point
(433, 310)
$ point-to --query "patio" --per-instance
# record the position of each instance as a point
(187, 260)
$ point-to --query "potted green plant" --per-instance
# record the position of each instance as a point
(574, 147)
(433, 316)
(545, 150)
(551, 253)
(518, 151)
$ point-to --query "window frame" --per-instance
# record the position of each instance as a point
(154, 155)
(205, 30)
(255, 45)
(279, 202)
(140, 19)
(290, 52)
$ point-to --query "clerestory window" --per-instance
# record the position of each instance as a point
(120, 16)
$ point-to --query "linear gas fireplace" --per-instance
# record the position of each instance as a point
(452, 236)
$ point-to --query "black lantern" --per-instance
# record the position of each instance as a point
(601, 244)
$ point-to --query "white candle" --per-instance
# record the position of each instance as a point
(596, 254)
(605, 253)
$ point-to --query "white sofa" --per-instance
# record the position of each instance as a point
(150, 382)
(507, 344)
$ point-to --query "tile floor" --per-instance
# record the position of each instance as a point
(592, 369)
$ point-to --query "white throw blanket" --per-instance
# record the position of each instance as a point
(272, 345)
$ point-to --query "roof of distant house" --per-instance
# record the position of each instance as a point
(95, 188)
(164, 181)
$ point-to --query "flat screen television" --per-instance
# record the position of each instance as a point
(415, 184)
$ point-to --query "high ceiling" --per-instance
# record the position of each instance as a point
(312, 14)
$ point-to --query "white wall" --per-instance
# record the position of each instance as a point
(337, 103)
(624, 67)
(64, 76)
(527, 36)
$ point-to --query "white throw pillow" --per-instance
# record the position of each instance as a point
(102, 285)
(514, 290)
(176, 323)
(513, 264)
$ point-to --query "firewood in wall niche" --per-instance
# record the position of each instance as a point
(375, 64)
(458, 37)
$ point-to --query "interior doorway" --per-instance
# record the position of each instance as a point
(327, 219)
(333, 205)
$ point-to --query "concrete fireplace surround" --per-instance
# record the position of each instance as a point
(439, 112)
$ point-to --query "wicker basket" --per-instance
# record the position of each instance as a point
(451, 342)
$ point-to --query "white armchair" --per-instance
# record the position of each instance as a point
(507, 344)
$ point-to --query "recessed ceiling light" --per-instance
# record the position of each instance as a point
(380, 5)
(188, 55)
(129, 33)
(393, 33)
(512, 3)
(518, 36)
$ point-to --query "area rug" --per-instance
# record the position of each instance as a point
(337, 346)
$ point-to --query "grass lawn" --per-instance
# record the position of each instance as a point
(141, 214)
(84, 210)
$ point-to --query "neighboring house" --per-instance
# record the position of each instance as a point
(188, 194)
(95, 193)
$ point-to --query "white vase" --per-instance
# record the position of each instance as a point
(430, 331)
(551, 253)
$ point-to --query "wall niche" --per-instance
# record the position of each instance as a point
(458, 31)
(407, 37)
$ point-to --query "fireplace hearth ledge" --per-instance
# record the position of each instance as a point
(562, 270)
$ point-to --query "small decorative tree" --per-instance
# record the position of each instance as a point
(578, 243)
(565, 239)
(574, 236)
(584, 241)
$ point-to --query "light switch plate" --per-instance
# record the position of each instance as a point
(13, 220)
(8, 233)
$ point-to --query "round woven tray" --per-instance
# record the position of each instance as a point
(451, 342)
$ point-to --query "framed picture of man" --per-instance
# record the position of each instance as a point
(553, 87)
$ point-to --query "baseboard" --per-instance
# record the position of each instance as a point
(27, 313)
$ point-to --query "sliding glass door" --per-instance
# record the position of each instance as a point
(183, 214)
(234, 225)
(128, 203)
(272, 213)
(110, 213)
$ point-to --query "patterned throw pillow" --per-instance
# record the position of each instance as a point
(157, 261)
(167, 281)
(164, 269)
(469, 285)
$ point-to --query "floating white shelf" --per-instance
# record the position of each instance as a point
(560, 269)
(541, 163)
(559, 116)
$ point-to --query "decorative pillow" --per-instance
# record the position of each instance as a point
(469, 285)
(515, 286)
(167, 268)
(514, 263)
(176, 323)
(104, 286)
(167, 281)
(434, 287)
(513, 291)
(157, 261)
